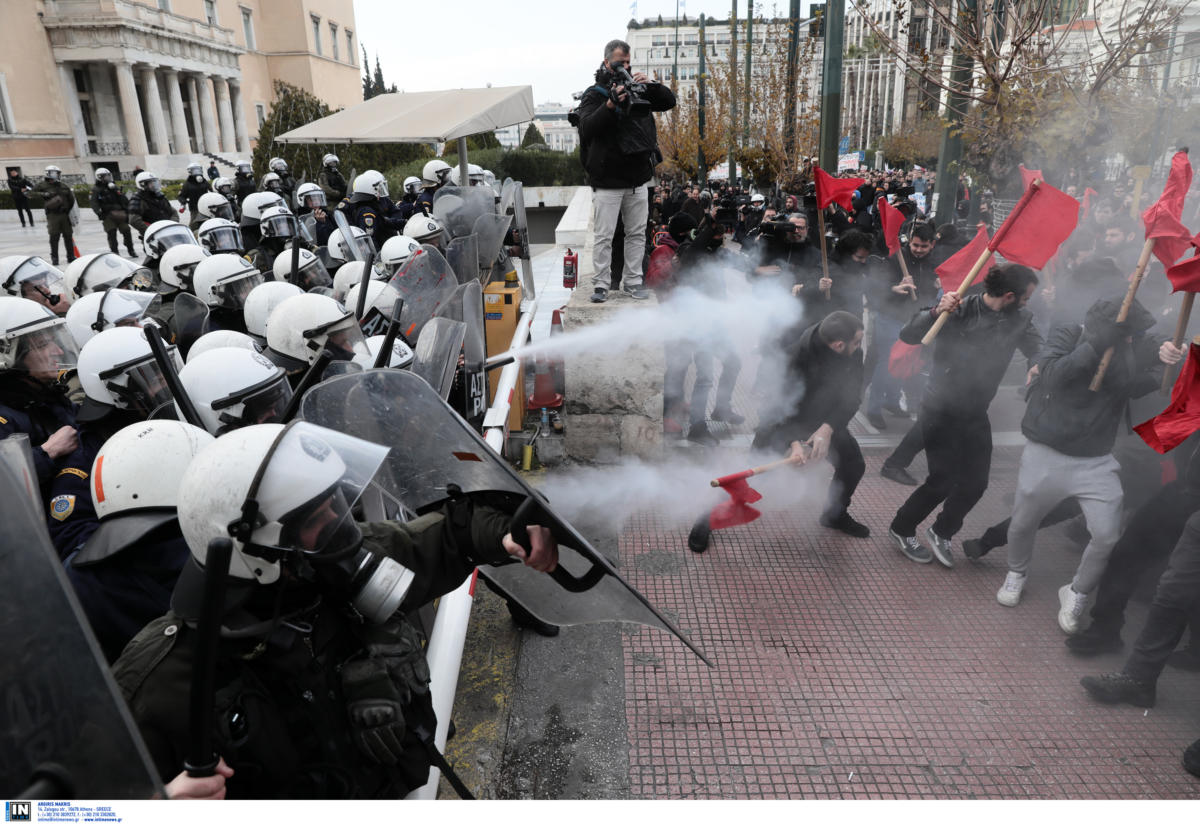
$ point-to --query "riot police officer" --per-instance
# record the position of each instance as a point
(369, 208)
(287, 183)
(58, 200)
(243, 180)
(148, 204)
(192, 188)
(330, 179)
(112, 207)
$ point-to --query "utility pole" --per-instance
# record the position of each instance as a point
(831, 83)
(789, 123)
(700, 164)
(733, 72)
(749, 77)
(946, 187)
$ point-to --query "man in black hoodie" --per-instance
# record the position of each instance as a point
(825, 368)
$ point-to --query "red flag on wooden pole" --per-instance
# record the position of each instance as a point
(956, 267)
(1031, 235)
(892, 219)
(1162, 219)
(1181, 418)
(839, 190)
(1029, 175)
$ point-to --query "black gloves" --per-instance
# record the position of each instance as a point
(378, 689)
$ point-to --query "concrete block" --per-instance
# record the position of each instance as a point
(593, 438)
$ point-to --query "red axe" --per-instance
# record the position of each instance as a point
(734, 512)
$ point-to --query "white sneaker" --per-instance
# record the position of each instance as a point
(1071, 605)
(1010, 594)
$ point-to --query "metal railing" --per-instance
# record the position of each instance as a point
(108, 148)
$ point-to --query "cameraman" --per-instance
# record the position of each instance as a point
(619, 150)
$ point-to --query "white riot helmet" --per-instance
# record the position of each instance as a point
(258, 202)
(371, 183)
(220, 235)
(148, 182)
(234, 387)
(279, 222)
(178, 265)
(103, 175)
(350, 274)
(97, 311)
(310, 196)
(30, 277)
(311, 273)
(161, 235)
(263, 300)
(106, 270)
(401, 356)
(757, 198)
(225, 280)
(489, 178)
(35, 340)
(222, 339)
(278, 165)
(425, 229)
(214, 204)
(396, 252)
(340, 250)
(195, 169)
(435, 172)
(117, 369)
(286, 498)
(475, 174)
(380, 296)
(242, 167)
(270, 182)
(140, 467)
(53, 172)
(330, 161)
(222, 186)
(412, 185)
(300, 327)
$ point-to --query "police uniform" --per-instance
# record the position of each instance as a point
(287, 185)
(332, 184)
(30, 407)
(243, 185)
(58, 200)
(112, 207)
(190, 193)
(149, 207)
(368, 213)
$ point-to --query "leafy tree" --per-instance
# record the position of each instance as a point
(533, 137)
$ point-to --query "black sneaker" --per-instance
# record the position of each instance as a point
(701, 531)
(727, 415)
(975, 548)
(700, 434)
(898, 474)
(845, 523)
(637, 292)
(1094, 641)
(1117, 688)
(599, 296)
(912, 548)
(1191, 758)
(876, 420)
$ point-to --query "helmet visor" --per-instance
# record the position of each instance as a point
(39, 281)
(267, 404)
(314, 275)
(106, 272)
(221, 210)
(232, 292)
(146, 389)
(168, 236)
(141, 280)
(364, 242)
(47, 351)
(313, 200)
(222, 239)
(121, 307)
(279, 226)
(345, 339)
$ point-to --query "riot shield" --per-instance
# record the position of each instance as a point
(436, 357)
(433, 448)
(463, 255)
(424, 282)
(15, 451)
(458, 207)
(467, 306)
(191, 321)
(491, 229)
(64, 729)
(508, 191)
(522, 224)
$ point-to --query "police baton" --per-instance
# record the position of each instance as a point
(167, 367)
(294, 277)
(201, 761)
(314, 373)
(393, 331)
(362, 286)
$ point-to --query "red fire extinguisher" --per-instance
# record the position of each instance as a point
(570, 270)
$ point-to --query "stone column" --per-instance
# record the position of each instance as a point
(212, 141)
(154, 110)
(239, 117)
(178, 121)
(66, 78)
(135, 133)
(225, 113)
(194, 105)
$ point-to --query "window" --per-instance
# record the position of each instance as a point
(260, 109)
(248, 28)
(349, 46)
(164, 5)
(691, 39)
(316, 24)
(659, 40)
(210, 11)
(333, 40)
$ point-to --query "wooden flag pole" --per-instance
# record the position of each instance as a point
(1134, 283)
(1185, 314)
(907, 276)
(824, 254)
(962, 290)
(758, 470)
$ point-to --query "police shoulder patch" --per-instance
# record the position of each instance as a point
(70, 470)
(61, 507)
(369, 220)
(3, 420)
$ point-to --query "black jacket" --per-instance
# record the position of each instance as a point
(243, 185)
(106, 199)
(192, 189)
(619, 151)
(148, 207)
(850, 281)
(1063, 413)
(18, 185)
(900, 307)
(971, 353)
(826, 387)
(34, 409)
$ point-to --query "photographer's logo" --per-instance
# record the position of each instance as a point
(18, 810)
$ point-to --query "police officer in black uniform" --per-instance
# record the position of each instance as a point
(370, 210)
(243, 181)
(112, 207)
(193, 187)
(148, 204)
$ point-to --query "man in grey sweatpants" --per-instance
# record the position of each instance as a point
(1071, 431)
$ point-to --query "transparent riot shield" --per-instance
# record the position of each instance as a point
(491, 229)
(424, 283)
(436, 357)
(65, 731)
(191, 321)
(508, 191)
(458, 207)
(463, 255)
(433, 448)
(522, 224)
(16, 453)
(467, 306)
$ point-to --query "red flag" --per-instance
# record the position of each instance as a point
(737, 511)
(1185, 275)
(1162, 219)
(1043, 218)
(892, 219)
(839, 190)
(1088, 194)
(958, 265)
(1171, 427)
(1029, 175)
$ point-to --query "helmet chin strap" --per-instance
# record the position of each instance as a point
(49, 298)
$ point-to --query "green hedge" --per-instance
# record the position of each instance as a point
(533, 167)
(83, 194)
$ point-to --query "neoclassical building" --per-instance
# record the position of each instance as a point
(160, 83)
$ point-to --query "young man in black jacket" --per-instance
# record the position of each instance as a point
(619, 150)
(970, 357)
(824, 367)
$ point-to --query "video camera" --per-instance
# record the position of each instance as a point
(779, 227)
(634, 104)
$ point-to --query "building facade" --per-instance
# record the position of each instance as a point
(161, 83)
(551, 121)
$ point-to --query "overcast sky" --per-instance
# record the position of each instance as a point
(552, 45)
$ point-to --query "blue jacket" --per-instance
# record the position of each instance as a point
(34, 409)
